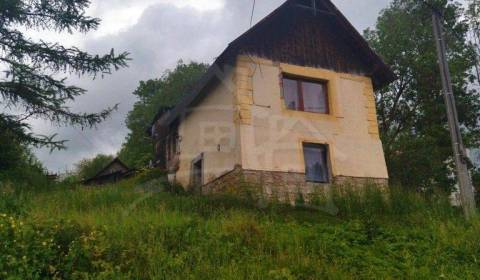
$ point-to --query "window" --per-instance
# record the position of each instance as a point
(172, 146)
(305, 95)
(197, 171)
(172, 139)
(316, 162)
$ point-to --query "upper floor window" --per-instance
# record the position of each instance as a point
(305, 95)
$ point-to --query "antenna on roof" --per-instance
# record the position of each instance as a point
(253, 11)
(314, 8)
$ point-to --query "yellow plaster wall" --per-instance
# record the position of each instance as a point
(206, 129)
(271, 136)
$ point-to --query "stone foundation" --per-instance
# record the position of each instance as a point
(284, 186)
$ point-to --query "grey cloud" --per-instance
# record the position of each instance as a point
(163, 35)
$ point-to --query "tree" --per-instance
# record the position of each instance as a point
(88, 168)
(411, 111)
(29, 83)
(18, 164)
(137, 151)
(473, 19)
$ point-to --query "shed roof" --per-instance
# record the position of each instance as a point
(298, 34)
(101, 174)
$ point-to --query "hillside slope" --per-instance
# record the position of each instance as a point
(133, 231)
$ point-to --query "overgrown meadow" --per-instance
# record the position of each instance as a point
(147, 230)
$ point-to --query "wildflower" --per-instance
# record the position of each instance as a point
(44, 243)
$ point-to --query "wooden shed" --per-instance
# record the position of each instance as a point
(113, 172)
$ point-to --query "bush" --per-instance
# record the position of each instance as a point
(62, 250)
(121, 231)
(147, 175)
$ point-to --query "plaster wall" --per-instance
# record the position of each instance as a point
(271, 136)
(208, 130)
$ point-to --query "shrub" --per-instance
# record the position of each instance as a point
(147, 175)
(62, 250)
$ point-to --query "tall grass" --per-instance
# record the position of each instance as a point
(142, 232)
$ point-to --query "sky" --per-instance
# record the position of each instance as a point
(156, 33)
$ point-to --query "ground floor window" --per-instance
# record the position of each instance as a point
(197, 171)
(316, 162)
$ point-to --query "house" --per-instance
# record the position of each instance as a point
(289, 105)
(113, 172)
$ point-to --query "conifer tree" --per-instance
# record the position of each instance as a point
(30, 86)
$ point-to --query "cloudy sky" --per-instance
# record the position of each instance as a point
(157, 33)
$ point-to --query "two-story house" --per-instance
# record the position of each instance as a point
(288, 105)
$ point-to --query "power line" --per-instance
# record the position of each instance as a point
(253, 11)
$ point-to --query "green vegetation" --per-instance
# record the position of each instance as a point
(33, 83)
(411, 111)
(137, 230)
(18, 164)
(152, 95)
(88, 168)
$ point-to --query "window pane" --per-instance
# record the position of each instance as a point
(315, 97)
(316, 168)
(290, 94)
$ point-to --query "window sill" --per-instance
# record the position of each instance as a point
(307, 115)
(316, 182)
(308, 112)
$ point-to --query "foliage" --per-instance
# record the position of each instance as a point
(120, 232)
(472, 15)
(17, 163)
(137, 151)
(411, 111)
(476, 184)
(88, 168)
(30, 84)
(147, 175)
(62, 250)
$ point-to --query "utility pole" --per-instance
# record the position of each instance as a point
(459, 152)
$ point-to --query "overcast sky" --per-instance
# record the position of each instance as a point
(157, 33)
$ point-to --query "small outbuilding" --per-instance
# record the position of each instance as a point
(113, 172)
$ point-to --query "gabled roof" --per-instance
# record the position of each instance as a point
(100, 173)
(297, 34)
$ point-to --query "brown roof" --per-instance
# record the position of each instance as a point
(100, 175)
(295, 34)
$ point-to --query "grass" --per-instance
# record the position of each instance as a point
(123, 231)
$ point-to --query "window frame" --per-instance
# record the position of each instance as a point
(300, 93)
(327, 161)
(172, 143)
(199, 159)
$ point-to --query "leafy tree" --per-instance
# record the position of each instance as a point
(411, 111)
(10, 151)
(29, 82)
(472, 15)
(88, 168)
(18, 164)
(137, 151)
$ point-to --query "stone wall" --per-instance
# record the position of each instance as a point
(283, 186)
